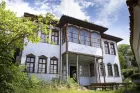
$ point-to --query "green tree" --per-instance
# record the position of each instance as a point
(13, 31)
(126, 55)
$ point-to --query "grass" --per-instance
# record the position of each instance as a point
(69, 91)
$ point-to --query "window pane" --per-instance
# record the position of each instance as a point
(28, 59)
(32, 59)
(55, 62)
(43, 65)
(44, 60)
(40, 65)
(75, 40)
(31, 65)
(54, 37)
(40, 60)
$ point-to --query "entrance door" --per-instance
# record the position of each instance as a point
(72, 71)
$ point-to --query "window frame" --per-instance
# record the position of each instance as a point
(72, 34)
(83, 71)
(33, 68)
(112, 48)
(45, 58)
(53, 39)
(54, 59)
(87, 39)
(116, 73)
(109, 68)
(106, 47)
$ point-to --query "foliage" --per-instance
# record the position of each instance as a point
(13, 32)
(126, 55)
(128, 73)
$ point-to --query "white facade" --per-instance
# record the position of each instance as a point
(87, 55)
(113, 59)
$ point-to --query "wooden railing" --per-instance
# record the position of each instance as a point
(109, 86)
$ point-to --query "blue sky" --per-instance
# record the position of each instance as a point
(112, 14)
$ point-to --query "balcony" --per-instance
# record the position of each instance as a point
(81, 41)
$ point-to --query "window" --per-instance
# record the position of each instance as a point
(43, 38)
(73, 34)
(112, 49)
(30, 63)
(95, 40)
(85, 37)
(91, 69)
(102, 70)
(82, 36)
(116, 70)
(54, 65)
(54, 37)
(42, 64)
(109, 66)
(106, 47)
(83, 70)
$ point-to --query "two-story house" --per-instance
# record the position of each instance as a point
(80, 48)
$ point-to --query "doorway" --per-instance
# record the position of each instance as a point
(72, 71)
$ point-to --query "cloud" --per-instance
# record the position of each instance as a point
(20, 6)
(108, 11)
(72, 8)
(67, 7)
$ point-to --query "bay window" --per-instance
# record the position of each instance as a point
(82, 36)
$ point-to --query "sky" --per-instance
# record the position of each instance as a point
(112, 14)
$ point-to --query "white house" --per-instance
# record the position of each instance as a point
(79, 47)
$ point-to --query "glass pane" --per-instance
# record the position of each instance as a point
(56, 33)
(32, 59)
(69, 29)
(43, 65)
(28, 59)
(75, 40)
(27, 64)
(40, 60)
(69, 39)
(44, 61)
(51, 61)
(31, 69)
(51, 66)
(55, 67)
(55, 62)
(31, 65)
(39, 70)
(75, 36)
(55, 71)
(82, 33)
(40, 65)
(87, 34)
